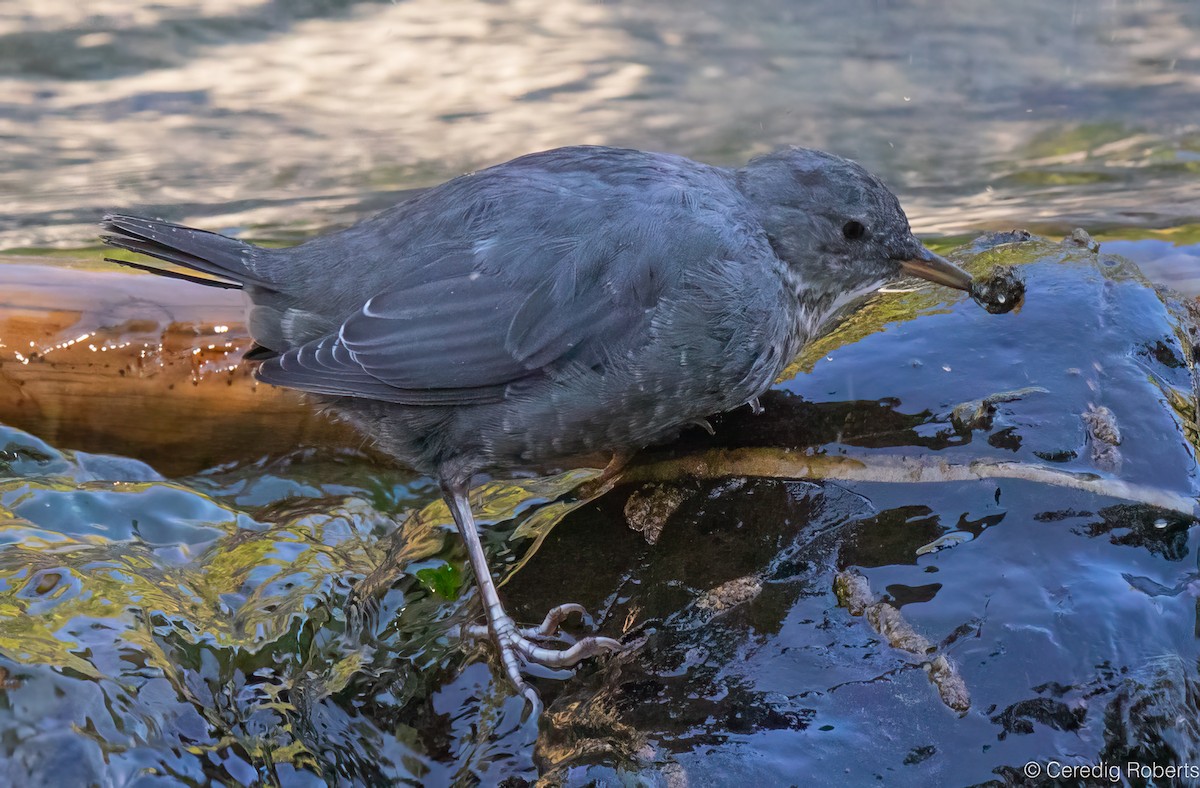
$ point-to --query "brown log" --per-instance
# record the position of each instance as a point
(136, 365)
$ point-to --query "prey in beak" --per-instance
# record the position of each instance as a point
(1002, 290)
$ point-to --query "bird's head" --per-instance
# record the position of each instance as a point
(838, 228)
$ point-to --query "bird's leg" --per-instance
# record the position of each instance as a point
(615, 465)
(612, 471)
(508, 638)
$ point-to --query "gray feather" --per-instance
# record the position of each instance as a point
(198, 250)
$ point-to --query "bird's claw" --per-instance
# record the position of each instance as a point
(516, 644)
(553, 620)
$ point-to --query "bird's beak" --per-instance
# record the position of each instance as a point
(937, 269)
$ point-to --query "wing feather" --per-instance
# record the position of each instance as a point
(566, 274)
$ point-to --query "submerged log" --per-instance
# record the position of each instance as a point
(133, 364)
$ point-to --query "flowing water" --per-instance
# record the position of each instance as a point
(201, 580)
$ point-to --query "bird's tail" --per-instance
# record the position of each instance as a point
(196, 250)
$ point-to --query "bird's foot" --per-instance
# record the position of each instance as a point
(516, 644)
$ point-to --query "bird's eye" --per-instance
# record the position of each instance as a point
(854, 231)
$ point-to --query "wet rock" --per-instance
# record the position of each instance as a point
(854, 593)
(950, 685)
(1154, 717)
(993, 240)
(1104, 436)
(977, 414)
(890, 622)
(649, 508)
(1080, 237)
(1102, 425)
(729, 595)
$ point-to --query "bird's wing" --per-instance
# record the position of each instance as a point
(547, 289)
(454, 341)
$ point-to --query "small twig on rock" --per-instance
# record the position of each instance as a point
(773, 463)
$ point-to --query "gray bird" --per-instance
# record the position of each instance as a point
(578, 300)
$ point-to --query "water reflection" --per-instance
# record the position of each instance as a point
(290, 116)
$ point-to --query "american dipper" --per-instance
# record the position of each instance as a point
(577, 300)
